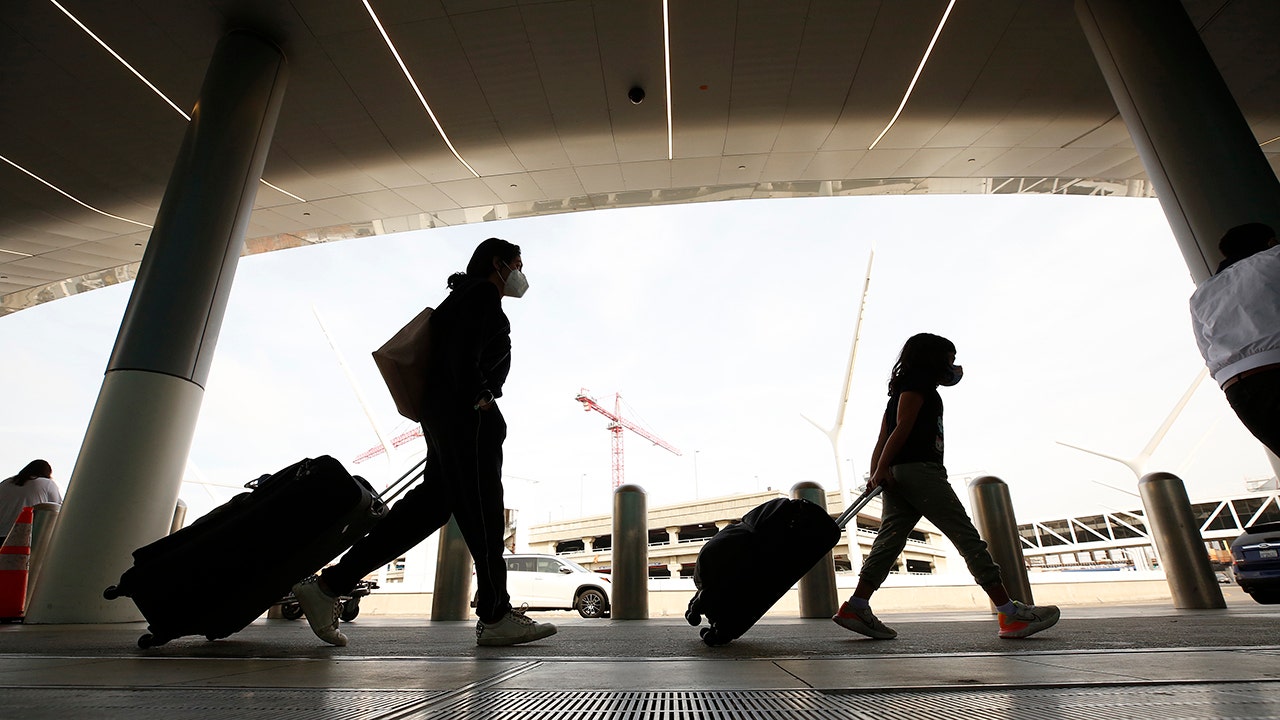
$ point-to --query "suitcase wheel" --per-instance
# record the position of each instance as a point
(692, 613)
(111, 593)
(350, 610)
(712, 637)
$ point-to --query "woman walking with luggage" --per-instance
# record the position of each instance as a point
(470, 340)
(907, 463)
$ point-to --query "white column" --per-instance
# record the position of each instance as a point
(1199, 152)
(125, 482)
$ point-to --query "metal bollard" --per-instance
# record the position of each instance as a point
(818, 596)
(449, 599)
(43, 521)
(630, 554)
(994, 518)
(1179, 544)
(179, 517)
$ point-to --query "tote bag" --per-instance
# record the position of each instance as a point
(402, 360)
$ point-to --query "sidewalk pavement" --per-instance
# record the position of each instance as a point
(1124, 661)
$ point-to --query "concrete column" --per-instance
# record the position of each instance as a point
(586, 544)
(673, 567)
(993, 516)
(179, 517)
(1203, 159)
(1181, 549)
(673, 536)
(818, 598)
(630, 554)
(43, 519)
(125, 483)
(451, 596)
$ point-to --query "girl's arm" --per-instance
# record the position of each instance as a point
(875, 454)
(909, 404)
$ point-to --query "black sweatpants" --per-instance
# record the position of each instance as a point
(1256, 400)
(464, 479)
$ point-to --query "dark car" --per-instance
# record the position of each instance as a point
(1256, 565)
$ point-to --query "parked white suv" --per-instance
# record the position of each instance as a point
(547, 582)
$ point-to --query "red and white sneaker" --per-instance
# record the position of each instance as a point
(1027, 620)
(863, 622)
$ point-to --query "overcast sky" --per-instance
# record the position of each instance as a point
(720, 324)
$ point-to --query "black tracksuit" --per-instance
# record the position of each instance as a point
(470, 358)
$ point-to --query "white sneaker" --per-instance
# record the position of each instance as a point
(513, 629)
(323, 610)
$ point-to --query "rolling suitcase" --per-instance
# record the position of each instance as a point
(748, 566)
(223, 571)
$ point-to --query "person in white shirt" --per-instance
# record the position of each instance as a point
(1236, 318)
(31, 486)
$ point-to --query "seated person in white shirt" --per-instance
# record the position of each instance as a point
(31, 486)
(1236, 318)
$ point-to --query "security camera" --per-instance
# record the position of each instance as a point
(636, 95)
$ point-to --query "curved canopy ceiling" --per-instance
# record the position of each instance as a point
(767, 99)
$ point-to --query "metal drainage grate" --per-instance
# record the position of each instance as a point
(1140, 702)
(1157, 702)
(63, 703)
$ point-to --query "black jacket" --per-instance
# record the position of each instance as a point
(470, 347)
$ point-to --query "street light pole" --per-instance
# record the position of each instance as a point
(695, 473)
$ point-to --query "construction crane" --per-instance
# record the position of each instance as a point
(616, 426)
(397, 441)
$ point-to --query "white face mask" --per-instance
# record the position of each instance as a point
(516, 283)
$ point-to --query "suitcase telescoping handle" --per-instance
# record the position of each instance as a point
(857, 506)
(404, 482)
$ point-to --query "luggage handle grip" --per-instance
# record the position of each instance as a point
(404, 482)
(857, 506)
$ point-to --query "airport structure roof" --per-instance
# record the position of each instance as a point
(767, 99)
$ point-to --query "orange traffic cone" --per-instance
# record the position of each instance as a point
(15, 562)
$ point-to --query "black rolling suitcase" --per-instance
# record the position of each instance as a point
(748, 566)
(223, 571)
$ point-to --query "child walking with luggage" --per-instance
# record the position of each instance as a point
(464, 429)
(907, 464)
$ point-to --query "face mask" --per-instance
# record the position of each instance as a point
(516, 283)
(952, 376)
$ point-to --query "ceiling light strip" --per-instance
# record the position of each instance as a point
(919, 70)
(116, 55)
(280, 189)
(404, 69)
(666, 45)
(15, 252)
(1270, 141)
(144, 80)
(60, 191)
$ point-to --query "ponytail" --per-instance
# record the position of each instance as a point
(481, 263)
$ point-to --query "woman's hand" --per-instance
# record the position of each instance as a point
(882, 477)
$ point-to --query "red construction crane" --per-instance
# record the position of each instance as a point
(396, 441)
(615, 426)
